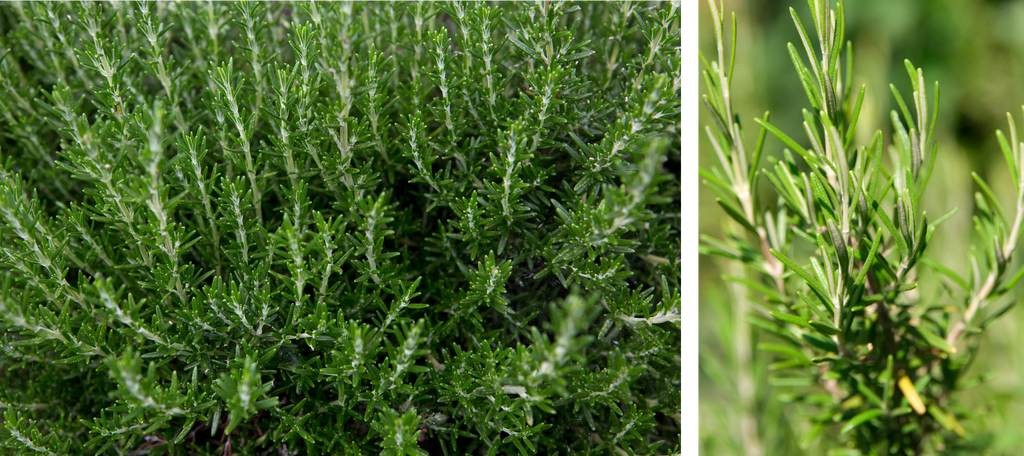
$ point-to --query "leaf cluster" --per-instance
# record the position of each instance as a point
(872, 360)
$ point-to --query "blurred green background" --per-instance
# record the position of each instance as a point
(975, 49)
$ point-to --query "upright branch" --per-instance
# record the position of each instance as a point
(845, 314)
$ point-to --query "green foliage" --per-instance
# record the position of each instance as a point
(854, 341)
(339, 228)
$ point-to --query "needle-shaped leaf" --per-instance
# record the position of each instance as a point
(791, 319)
(868, 259)
(758, 148)
(934, 340)
(821, 342)
(824, 328)
(991, 197)
(854, 116)
(808, 278)
(888, 225)
(736, 214)
(1011, 162)
(785, 350)
(859, 419)
(947, 420)
(811, 159)
(945, 271)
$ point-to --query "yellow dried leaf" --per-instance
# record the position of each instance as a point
(910, 393)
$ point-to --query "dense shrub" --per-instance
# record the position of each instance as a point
(336, 228)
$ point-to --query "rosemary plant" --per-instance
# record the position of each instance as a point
(339, 228)
(831, 259)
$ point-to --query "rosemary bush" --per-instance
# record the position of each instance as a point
(339, 228)
(831, 259)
